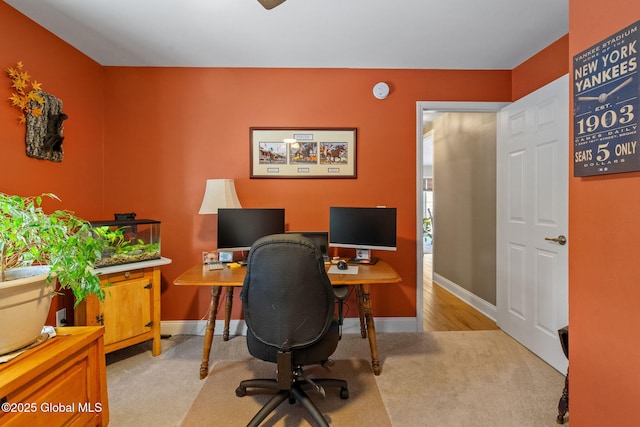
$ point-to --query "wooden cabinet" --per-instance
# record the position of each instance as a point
(63, 381)
(130, 312)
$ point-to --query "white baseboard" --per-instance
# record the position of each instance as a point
(238, 327)
(474, 301)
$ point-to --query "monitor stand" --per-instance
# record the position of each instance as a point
(361, 261)
(363, 256)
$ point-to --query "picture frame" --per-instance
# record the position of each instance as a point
(606, 99)
(209, 257)
(303, 152)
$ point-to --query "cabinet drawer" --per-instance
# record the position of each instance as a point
(124, 275)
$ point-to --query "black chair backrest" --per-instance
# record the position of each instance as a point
(287, 297)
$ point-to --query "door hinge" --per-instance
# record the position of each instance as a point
(100, 319)
(149, 286)
(148, 325)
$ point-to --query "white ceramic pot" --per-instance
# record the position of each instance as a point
(25, 299)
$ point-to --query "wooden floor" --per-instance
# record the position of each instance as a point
(445, 312)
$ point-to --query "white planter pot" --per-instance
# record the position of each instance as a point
(25, 299)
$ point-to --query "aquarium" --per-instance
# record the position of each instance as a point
(128, 241)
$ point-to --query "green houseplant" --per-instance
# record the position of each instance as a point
(59, 239)
(56, 246)
(426, 227)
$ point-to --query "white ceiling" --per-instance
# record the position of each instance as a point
(413, 34)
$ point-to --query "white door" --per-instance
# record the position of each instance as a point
(532, 207)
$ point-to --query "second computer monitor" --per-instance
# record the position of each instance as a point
(239, 228)
(363, 229)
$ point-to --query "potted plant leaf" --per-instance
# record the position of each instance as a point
(38, 250)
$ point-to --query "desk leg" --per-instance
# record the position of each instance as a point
(227, 313)
(363, 325)
(371, 328)
(208, 336)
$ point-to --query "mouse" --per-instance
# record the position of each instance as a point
(342, 265)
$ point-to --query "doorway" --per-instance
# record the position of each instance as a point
(427, 214)
(463, 300)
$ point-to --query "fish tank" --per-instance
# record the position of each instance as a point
(128, 241)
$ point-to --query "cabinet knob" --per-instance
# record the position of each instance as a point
(127, 274)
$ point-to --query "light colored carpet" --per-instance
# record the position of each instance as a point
(364, 406)
(475, 378)
(444, 379)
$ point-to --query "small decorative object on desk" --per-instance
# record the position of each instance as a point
(209, 257)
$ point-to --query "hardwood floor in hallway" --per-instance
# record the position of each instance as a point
(445, 312)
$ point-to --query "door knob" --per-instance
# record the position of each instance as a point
(560, 239)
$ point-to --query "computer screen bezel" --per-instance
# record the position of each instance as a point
(240, 218)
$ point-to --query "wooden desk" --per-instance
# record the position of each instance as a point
(229, 278)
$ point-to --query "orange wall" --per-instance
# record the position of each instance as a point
(77, 81)
(169, 129)
(544, 67)
(604, 289)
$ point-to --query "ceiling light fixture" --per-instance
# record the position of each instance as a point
(270, 4)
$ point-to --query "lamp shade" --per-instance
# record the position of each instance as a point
(219, 193)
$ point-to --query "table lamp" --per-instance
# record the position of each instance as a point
(219, 194)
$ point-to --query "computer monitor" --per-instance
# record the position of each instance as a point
(319, 238)
(239, 228)
(363, 229)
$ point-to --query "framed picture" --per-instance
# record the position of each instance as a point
(303, 152)
(606, 104)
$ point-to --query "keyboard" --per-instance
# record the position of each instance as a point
(217, 265)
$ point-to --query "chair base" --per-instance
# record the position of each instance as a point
(297, 393)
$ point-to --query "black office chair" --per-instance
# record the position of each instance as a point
(288, 305)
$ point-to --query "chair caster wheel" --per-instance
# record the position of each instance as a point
(241, 391)
(344, 393)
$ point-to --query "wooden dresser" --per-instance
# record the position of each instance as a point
(61, 382)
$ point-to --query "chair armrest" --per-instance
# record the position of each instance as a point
(341, 293)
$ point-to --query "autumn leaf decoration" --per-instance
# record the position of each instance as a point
(24, 92)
